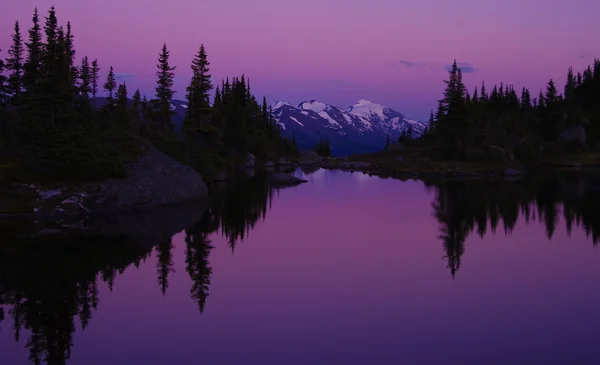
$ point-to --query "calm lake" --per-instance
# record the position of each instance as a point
(345, 269)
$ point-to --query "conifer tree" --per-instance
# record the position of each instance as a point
(265, 111)
(453, 122)
(70, 53)
(121, 104)
(110, 85)
(3, 88)
(198, 111)
(484, 95)
(50, 54)
(551, 93)
(570, 85)
(541, 100)
(32, 66)
(14, 64)
(95, 76)
(85, 76)
(136, 104)
(164, 91)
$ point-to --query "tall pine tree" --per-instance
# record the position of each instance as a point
(32, 67)
(85, 76)
(197, 115)
(110, 85)
(164, 91)
(95, 76)
(14, 65)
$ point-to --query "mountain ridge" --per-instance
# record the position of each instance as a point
(361, 128)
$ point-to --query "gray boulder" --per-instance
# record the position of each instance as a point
(285, 179)
(154, 180)
(309, 157)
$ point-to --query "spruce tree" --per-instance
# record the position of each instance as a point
(85, 76)
(51, 50)
(32, 66)
(484, 95)
(110, 85)
(95, 76)
(121, 104)
(70, 53)
(453, 123)
(570, 85)
(164, 91)
(14, 64)
(135, 112)
(3, 88)
(551, 96)
(198, 111)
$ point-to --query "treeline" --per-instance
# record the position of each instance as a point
(53, 122)
(518, 122)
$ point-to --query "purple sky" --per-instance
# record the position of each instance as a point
(338, 51)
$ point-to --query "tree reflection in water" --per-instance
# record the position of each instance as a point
(46, 286)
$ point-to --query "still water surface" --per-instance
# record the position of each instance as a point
(346, 269)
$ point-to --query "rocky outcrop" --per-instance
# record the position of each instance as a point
(154, 180)
(309, 157)
(285, 179)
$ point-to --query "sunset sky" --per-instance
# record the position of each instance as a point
(338, 51)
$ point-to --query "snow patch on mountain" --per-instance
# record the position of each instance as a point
(279, 104)
(313, 105)
(366, 109)
(296, 120)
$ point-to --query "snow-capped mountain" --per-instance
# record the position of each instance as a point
(361, 128)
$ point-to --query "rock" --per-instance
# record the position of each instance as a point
(154, 180)
(250, 160)
(309, 157)
(512, 172)
(285, 179)
(283, 162)
(269, 164)
(574, 134)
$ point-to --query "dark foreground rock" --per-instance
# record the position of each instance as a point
(154, 180)
(285, 179)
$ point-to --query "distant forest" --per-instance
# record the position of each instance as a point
(467, 126)
(52, 124)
